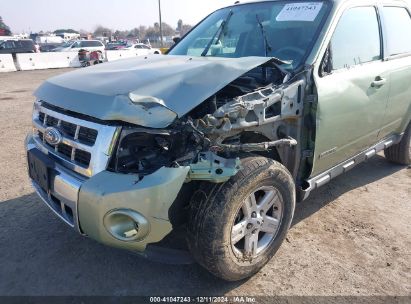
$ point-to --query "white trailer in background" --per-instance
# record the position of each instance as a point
(69, 36)
(49, 40)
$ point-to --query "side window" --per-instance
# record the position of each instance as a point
(27, 44)
(398, 29)
(95, 43)
(85, 44)
(10, 45)
(356, 39)
(18, 44)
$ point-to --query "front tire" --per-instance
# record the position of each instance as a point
(235, 228)
(401, 152)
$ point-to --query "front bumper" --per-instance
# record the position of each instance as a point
(85, 203)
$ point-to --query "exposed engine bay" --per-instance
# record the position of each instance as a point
(259, 112)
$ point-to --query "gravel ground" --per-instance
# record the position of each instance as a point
(352, 237)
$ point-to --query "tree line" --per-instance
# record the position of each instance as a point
(143, 32)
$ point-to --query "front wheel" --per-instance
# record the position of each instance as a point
(235, 228)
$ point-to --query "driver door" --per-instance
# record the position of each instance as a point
(353, 92)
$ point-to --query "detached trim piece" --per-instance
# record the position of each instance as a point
(324, 178)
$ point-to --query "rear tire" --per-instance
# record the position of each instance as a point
(233, 235)
(401, 152)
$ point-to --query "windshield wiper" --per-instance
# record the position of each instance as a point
(267, 46)
(218, 34)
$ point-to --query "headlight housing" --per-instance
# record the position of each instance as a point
(144, 151)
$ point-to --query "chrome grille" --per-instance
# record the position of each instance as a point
(86, 146)
(82, 134)
(68, 128)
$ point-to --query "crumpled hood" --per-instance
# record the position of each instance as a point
(180, 83)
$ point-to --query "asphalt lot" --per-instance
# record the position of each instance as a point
(352, 237)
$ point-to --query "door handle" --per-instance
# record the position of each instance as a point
(378, 82)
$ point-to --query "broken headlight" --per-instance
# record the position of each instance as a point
(144, 151)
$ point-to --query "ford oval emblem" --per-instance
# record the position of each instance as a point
(53, 136)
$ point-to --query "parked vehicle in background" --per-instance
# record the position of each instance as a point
(280, 98)
(112, 46)
(17, 46)
(75, 46)
(44, 48)
(49, 40)
(68, 36)
(143, 49)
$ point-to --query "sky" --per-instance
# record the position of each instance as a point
(36, 15)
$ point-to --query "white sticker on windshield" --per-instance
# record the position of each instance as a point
(303, 11)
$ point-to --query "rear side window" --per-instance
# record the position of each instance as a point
(398, 29)
(85, 44)
(18, 44)
(356, 39)
(91, 44)
(27, 44)
(95, 43)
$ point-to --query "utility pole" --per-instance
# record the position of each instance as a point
(161, 23)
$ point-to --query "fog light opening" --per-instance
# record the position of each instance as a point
(126, 225)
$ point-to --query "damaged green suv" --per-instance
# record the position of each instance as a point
(213, 144)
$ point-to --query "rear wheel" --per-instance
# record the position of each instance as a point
(401, 152)
(235, 228)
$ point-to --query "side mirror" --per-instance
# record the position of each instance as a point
(176, 40)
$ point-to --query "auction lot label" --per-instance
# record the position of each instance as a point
(205, 299)
(303, 11)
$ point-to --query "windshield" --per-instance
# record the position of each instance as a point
(280, 29)
(67, 44)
